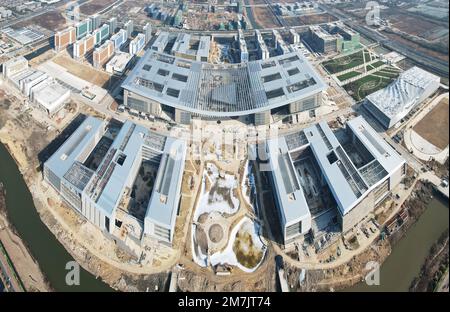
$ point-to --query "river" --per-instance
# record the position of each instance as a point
(45, 248)
(408, 255)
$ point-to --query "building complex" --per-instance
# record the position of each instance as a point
(345, 173)
(184, 88)
(96, 171)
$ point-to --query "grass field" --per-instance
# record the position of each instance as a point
(348, 75)
(344, 62)
(434, 126)
(361, 88)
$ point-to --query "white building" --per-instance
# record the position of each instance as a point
(391, 104)
(51, 96)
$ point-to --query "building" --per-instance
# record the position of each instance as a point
(112, 25)
(50, 96)
(23, 35)
(161, 42)
(322, 41)
(101, 34)
(129, 27)
(95, 21)
(294, 36)
(334, 37)
(262, 47)
(83, 28)
(137, 44)
(192, 47)
(242, 46)
(42, 90)
(83, 46)
(103, 54)
(64, 38)
(280, 45)
(14, 66)
(98, 190)
(185, 88)
(391, 104)
(148, 32)
(118, 63)
(317, 171)
(119, 39)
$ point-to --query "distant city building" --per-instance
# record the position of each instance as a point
(242, 46)
(118, 63)
(129, 27)
(41, 90)
(14, 66)
(65, 38)
(112, 25)
(137, 44)
(319, 176)
(103, 54)
(161, 42)
(148, 32)
(391, 104)
(95, 21)
(192, 47)
(262, 47)
(334, 37)
(83, 46)
(83, 28)
(119, 39)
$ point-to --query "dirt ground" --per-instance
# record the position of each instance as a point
(264, 17)
(309, 19)
(94, 6)
(52, 21)
(434, 126)
(84, 72)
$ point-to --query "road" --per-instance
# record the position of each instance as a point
(437, 65)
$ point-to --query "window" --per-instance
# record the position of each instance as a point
(147, 67)
(173, 92)
(332, 158)
(293, 71)
(272, 77)
(163, 72)
(179, 77)
(275, 93)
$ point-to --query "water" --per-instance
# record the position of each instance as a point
(45, 248)
(408, 255)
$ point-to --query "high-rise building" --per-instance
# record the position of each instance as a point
(112, 25)
(64, 38)
(129, 27)
(147, 32)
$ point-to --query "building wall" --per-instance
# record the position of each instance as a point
(306, 104)
(359, 212)
(262, 118)
(141, 104)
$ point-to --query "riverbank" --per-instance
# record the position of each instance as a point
(27, 267)
(406, 249)
(435, 266)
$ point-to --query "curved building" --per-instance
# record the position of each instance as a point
(185, 88)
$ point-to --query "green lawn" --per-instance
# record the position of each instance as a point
(348, 75)
(344, 62)
(361, 88)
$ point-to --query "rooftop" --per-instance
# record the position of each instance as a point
(404, 93)
(223, 90)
